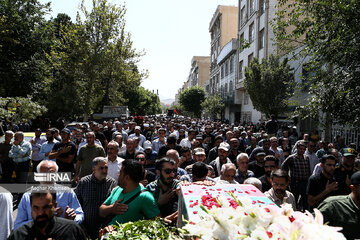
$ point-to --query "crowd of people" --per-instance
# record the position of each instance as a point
(124, 171)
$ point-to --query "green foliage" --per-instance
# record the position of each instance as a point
(20, 108)
(330, 34)
(213, 105)
(143, 102)
(269, 85)
(23, 42)
(146, 229)
(191, 100)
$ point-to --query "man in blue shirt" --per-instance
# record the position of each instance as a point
(20, 153)
(47, 147)
(68, 205)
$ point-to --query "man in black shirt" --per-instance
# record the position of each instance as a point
(45, 225)
(271, 164)
(64, 152)
(258, 166)
(322, 185)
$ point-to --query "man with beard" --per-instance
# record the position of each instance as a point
(64, 152)
(271, 163)
(45, 225)
(48, 145)
(223, 152)
(257, 166)
(164, 189)
(130, 201)
(130, 149)
(67, 203)
(344, 211)
(92, 191)
(278, 194)
(322, 185)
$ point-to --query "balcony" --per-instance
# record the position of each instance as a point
(239, 84)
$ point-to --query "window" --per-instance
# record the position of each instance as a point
(231, 64)
(227, 68)
(242, 16)
(252, 6)
(251, 32)
(241, 41)
(250, 57)
(241, 63)
(222, 71)
(262, 6)
(246, 99)
(226, 87)
(261, 39)
(231, 86)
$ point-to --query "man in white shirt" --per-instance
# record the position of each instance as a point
(186, 142)
(114, 162)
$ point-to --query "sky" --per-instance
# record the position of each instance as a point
(170, 32)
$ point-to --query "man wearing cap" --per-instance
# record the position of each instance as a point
(64, 152)
(36, 143)
(234, 149)
(200, 156)
(298, 164)
(257, 166)
(223, 152)
(344, 211)
(137, 133)
(150, 155)
(345, 169)
(119, 130)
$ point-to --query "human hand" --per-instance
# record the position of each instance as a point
(69, 213)
(165, 197)
(105, 230)
(330, 187)
(118, 207)
(59, 211)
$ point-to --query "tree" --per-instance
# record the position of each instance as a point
(20, 108)
(213, 105)
(329, 32)
(23, 44)
(95, 60)
(143, 102)
(269, 85)
(191, 100)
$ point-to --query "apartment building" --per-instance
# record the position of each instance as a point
(254, 17)
(199, 71)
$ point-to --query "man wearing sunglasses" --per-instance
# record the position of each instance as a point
(164, 188)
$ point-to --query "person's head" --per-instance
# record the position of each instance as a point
(270, 164)
(130, 145)
(311, 146)
(191, 134)
(65, 134)
(242, 161)
(285, 133)
(90, 138)
(255, 182)
(173, 154)
(348, 158)
(266, 144)
(137, 130)
(37, 132)
(280, 182)
(171, 140)
(161, 132)
(50, 134)
(47, 166)
(147, 146)
(186, 153)
(273, 142)
(301, 148)
(118, 126)
(166, 170)
(328, 163)
(131, 172)
(112, 149)
(306, 137)
(355, 187)
(285, 142)
(43, 205)
(253, 141)
(119, 139)
(195, 144)
(208, 129)
(140, 156)
(100, 168)
(19, 136)
(199, 155)
(229, 135)
(223, 151)
(218, 140)
(227, 172)
(199, 171)
(260, 156)
(234, 143)
(8, 136)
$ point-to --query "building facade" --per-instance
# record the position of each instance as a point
(254, 29)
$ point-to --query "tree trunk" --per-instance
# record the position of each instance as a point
(328, 127)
